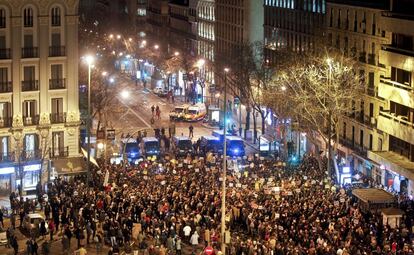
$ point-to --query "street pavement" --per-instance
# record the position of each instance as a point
(135, 113)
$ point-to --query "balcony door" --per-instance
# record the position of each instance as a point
(4, 146)
(5, 114)
(29, 73)
(28, 41)
(56, 40)
(57, 110)
(30, 144)
(29, 111)
(57, 143)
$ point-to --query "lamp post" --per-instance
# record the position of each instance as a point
(89, 60)
(223, 195)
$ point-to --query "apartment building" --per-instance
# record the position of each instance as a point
(395, 87)
(137, 14)
(182, 27)
(157, 18)
(39, 112)
(377, 139)
(292, 24)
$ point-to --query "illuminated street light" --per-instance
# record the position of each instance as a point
(156, 46)
(130, 39)
(144, 42)
(176, 53)
(111, 80)
(125, 94)
(120, 54)
(118, 37)
(104, 73)
(201, 62)
(283, 88)
(128, 56)
(226, 70)
(217, 95)
(111, 36)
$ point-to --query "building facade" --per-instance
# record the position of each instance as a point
(39, 88)
(157, 18)
(292, 24)
(396, 117)
(377, 139)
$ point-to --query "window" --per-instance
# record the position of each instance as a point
(29, 108)
(370, 142)
(2, 18)
(57, 143)
(361, 138)
(401, 76)
(344, 131)
(28, 17)
(4, 146)
(55, 15)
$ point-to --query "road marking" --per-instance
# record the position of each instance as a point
(134, 112)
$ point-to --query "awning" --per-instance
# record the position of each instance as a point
(374, 196)
(92, 159)
(394, 162)
(75, 165)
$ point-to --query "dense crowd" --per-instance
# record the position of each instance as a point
(166, 205)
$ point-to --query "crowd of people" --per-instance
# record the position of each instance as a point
(172, 206)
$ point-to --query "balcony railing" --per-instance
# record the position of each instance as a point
(31, 120)
(57, 118)
(403, 120)
(59, 152)
(6, 122)
(6, 87)
(396, 84)
(395, 49)
(31, 155)
(5, 54)
(7, 157)
(361, 150)
(57, 51)
(362, 57)
(30, 85)
(30, 52)
(57, 83)
(372, 91)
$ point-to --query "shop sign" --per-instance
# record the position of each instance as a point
(7, 170)
(31, 168)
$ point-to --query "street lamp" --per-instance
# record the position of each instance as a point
(118, 37)
(125, 94)
(104, 73)
(223, 196)
(176, 53)
(89, 60)
(111, 80)
(156, 46)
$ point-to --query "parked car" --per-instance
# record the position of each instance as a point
(179, 112)
(195, 112)
(161, 92)
(182, 146)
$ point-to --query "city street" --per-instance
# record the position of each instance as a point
(135, 113)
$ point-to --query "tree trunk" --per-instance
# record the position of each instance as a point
(247, 126)
(254, 127)
(263, 115)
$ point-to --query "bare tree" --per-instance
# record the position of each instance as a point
(317, 90)
(250, 76)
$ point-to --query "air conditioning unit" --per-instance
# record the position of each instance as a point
(373, 121)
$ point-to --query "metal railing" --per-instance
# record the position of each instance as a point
(32, 85)
(57, 118)
(6, 122)
(31, 52)
(57, 51)
(7, 157)
(396, 84)
(31, 155)
(31, 120)
(403, 120)
(361, 150)
(399, 50)
(59, 152)
(57, 83)
(6, 87)
(5, 53)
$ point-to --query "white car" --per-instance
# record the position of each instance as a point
(179, 112)
(31, 222)
(160, 92)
